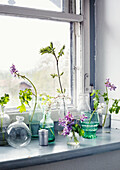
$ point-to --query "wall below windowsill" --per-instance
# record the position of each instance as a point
(33, 154)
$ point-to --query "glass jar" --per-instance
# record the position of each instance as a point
(83, 104)
(48, 124)
(4, 123)
(18, 133)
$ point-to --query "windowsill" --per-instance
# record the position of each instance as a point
(33, 154)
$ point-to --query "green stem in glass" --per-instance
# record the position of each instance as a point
(44, 124)
(75, 138)
(107, 102)
(34, 95)
(92, 115)
(2, 110)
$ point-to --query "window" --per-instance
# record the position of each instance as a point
(25, 30)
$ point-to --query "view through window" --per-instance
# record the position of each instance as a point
(20, 42)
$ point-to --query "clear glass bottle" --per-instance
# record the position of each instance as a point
(48, 124)
(83, 104)
(63, 108)
(34, 122)
(18, 133)
(4, 122)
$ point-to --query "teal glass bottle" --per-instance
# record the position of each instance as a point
(47, 123)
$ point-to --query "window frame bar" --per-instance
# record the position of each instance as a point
(39, 14)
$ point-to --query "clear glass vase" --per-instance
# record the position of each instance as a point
(72, 141)
(34, 122)
(4, 123)
(34, 119)
(83, 104)
(63, 108)
(18, 133)
(48, 124)
(90, 127)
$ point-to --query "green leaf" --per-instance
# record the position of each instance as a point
(61, 51)
(4, 99)
(22, 108)
(61, 73)
(54, 75)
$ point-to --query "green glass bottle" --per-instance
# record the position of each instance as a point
(47, 123)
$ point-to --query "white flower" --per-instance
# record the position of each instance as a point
(101, 107)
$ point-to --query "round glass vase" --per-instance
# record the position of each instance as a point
(71, 140)
(4, 123)
(90, 127)
(48, 124)
(18, 133)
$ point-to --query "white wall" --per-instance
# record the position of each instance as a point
(108, 44)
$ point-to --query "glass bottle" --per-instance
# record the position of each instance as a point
(18, 133)
(83, 104)
(47, 123)
(34, 122)
(4, 122)
(63, 108)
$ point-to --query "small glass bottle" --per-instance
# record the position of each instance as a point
(48, 124)
(18, 133)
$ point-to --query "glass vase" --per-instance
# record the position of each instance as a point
(4, 123)
(63, 108)
(34, 118)
(62, 112)
(18, 133)
(83, 104)
(48, 124)
(90, 127)
(71, 140)
(106, 128)
(34, 122)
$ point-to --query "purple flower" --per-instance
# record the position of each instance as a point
(67, 122)
(82, 117)
(109, 85)
(13, 70)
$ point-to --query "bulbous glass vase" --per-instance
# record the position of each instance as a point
(18, 133)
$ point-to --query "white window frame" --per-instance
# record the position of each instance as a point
(80, 67)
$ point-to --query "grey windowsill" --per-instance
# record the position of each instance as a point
(33, 154)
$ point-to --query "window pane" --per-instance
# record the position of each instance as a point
(52, 5)
(20, 42)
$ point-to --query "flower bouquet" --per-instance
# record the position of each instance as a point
(72, 128)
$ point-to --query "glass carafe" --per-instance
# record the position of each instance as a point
(18, 133)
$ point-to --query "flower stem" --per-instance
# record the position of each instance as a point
(105, 116)
(92, 115)
(107, 102)
(59, 81)
(34, 95)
